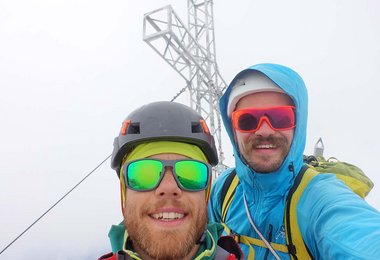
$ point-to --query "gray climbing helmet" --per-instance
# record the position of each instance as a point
(163, 121)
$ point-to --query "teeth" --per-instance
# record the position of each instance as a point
(266, 146)
(167, 215)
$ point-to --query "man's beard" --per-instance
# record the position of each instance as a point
(165, 244)
(265, 163)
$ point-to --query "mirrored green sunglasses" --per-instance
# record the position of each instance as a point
(147, 174)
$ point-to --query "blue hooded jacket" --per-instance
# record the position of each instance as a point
(334, 221)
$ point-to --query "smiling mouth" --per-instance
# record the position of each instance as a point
(266, 146)
(167, 216)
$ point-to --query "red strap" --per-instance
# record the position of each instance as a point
(231, 257)
(109, 256)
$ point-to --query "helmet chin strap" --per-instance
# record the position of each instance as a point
(202, 238)
(121, 198)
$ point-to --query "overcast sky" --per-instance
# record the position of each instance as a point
(71, 71)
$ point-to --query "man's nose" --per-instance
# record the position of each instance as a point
(168, 186)
(264, 129)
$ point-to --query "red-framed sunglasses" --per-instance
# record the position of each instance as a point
(278, 118)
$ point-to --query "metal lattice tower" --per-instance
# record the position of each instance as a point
(190, 51)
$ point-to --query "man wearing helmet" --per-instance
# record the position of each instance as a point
(163, 157)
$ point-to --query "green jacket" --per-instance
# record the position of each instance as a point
(208, 249)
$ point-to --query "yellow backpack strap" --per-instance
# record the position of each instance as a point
(258, 242)
(249, 241)
(296, 246)
(228, 193)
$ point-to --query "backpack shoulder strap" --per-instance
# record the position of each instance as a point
(228, 192)
(296, 246)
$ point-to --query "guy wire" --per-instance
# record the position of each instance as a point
(67, 193)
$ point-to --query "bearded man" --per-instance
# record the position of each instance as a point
(163, 157)
(264, 111)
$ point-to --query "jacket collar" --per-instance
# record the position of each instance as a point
(118, 236)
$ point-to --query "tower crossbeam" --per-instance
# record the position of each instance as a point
(190, 51)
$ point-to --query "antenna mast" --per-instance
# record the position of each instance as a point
(190, 51)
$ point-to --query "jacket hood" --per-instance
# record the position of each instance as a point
(280, 180)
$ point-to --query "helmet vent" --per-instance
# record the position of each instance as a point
(133, 128)
(196, 127)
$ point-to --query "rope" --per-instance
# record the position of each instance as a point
(178, 94)
(258, 231)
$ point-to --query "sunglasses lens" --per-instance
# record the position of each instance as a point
(144, 174)
(192, 175)
(247, 122)
(281, 118)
